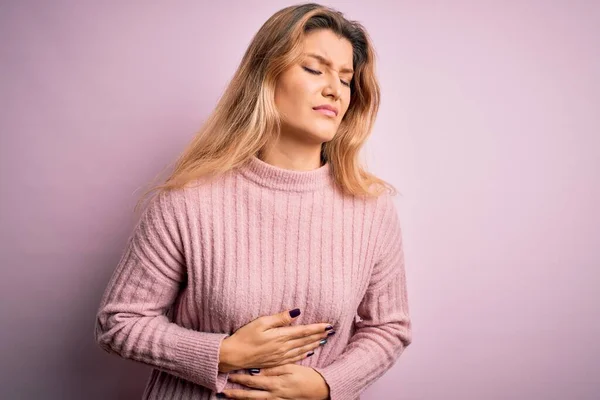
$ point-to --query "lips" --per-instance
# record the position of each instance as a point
(327, 110)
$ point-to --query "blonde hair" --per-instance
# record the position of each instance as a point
(246, 119)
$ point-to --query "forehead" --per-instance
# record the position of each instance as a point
(330, 46)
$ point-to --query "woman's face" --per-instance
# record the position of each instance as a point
(322, 78)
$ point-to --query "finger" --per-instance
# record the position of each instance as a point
(275, 371)
(281, 319)
(311, 339)
(299, 346)
(252, 381)
(301, 331)
(247, 394)
(305, 351)
(292, 361)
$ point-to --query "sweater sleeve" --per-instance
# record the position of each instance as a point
(132, 319)
(384, 329)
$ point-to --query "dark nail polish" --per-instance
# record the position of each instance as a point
(328, 328)
(330, 333)
(221, 395)
(322, 342)
(254, 371)
(295, 312)
(310, 354)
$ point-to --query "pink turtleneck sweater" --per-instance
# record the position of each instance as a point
(204, 261)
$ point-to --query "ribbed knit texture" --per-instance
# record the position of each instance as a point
(205, 260)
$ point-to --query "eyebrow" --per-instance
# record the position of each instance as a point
(328, 63)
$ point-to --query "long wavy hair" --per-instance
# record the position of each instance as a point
(246, 119)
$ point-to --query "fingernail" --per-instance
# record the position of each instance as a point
(221, 395)
(254, 371)
(330, 333)
(310, 354)
(328, 328)
(295, 312)
(322, 342)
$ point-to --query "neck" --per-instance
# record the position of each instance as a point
(287, 179)
(294, 157)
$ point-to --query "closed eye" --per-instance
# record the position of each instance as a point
(314, 72)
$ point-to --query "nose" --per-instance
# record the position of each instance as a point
(333, 88)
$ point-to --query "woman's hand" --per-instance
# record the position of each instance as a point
(268, 342)
(290, 381)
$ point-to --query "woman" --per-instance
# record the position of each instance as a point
(269, 237)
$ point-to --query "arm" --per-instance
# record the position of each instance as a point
(385, 329)
(132, 322)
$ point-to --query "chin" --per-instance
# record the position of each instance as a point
(328, 138)
(317, 135)
(322, 137)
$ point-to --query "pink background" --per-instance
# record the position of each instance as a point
(490, 128)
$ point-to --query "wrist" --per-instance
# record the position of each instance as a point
(325, 391)
(226, 364)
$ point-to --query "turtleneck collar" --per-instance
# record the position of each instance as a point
(274, 177)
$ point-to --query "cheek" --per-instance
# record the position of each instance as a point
(345, 106)
(293, 97)
(286, 97)
(347, 98)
